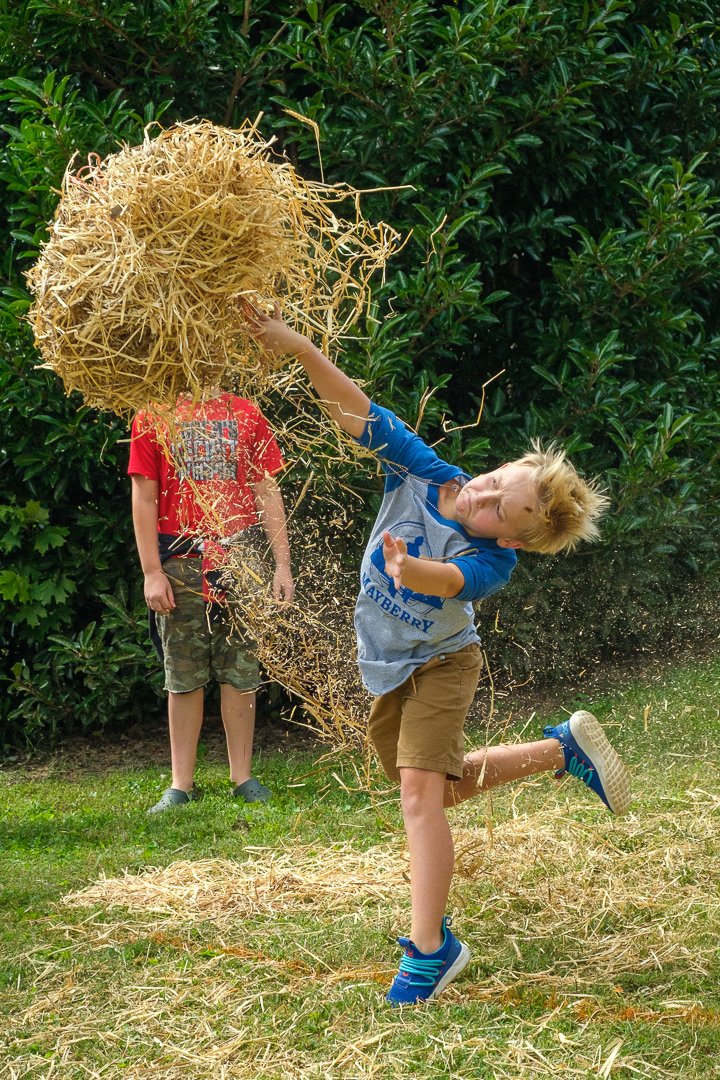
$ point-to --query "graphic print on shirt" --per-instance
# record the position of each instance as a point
(403, 604)
(207, 450)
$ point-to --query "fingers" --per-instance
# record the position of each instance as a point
(394, 553)
(253, 316)
(396, 546)
(168, 600)
(256, 315)
(160, 608)
(249, 308)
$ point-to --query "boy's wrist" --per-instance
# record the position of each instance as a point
(305, 348)
(307, 351)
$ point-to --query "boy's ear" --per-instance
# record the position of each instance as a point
(514, 544)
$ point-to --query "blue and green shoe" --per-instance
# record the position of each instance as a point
(590, 757)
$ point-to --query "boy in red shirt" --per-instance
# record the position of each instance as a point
(199, 484)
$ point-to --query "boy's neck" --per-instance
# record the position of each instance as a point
(447, 496)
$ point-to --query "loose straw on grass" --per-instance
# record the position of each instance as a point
(636, 894)
(581, 930)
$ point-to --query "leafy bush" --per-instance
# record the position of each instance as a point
(68, 562)
(101, 675)
(555, 168)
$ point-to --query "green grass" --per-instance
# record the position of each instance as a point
(594, 940)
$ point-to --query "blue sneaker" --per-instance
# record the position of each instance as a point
(423, 976)
(590, 757)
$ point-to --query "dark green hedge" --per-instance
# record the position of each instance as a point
(557, 168)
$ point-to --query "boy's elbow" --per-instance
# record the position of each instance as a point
(455, 583)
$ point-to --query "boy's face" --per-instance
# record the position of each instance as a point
(498, 505)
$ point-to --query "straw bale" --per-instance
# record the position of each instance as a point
(136, 293)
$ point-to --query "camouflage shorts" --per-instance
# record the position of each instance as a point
(198, 639)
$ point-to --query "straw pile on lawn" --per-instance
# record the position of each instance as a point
(137, 291)
(634, 894)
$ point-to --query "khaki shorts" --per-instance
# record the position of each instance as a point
(420, 725)
(198, 640)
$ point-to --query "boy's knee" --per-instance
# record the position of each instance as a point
(420, 791)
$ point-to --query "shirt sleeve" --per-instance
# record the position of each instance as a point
(266, 457)
(485, 573)
(400, 450)
(143, 449)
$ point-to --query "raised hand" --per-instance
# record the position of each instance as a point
(346, 403)
(275, 336)
(395, 555)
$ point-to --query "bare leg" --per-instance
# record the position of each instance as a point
(238, 716)
(185, 714)
(496, 765)
(432, 856)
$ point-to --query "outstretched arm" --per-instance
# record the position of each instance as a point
(347, 403)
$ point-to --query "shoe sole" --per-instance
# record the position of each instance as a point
(461, 962)
(611, 771)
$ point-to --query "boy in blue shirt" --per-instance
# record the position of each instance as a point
(441, 540)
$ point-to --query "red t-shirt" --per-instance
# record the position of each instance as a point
(206, 463)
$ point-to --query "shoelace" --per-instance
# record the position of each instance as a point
(424, 970)
(582, 772)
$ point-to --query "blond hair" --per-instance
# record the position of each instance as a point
(568, 507)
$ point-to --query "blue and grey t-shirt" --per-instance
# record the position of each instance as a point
(398, 630)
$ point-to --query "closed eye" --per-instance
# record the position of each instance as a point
(496, 485)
